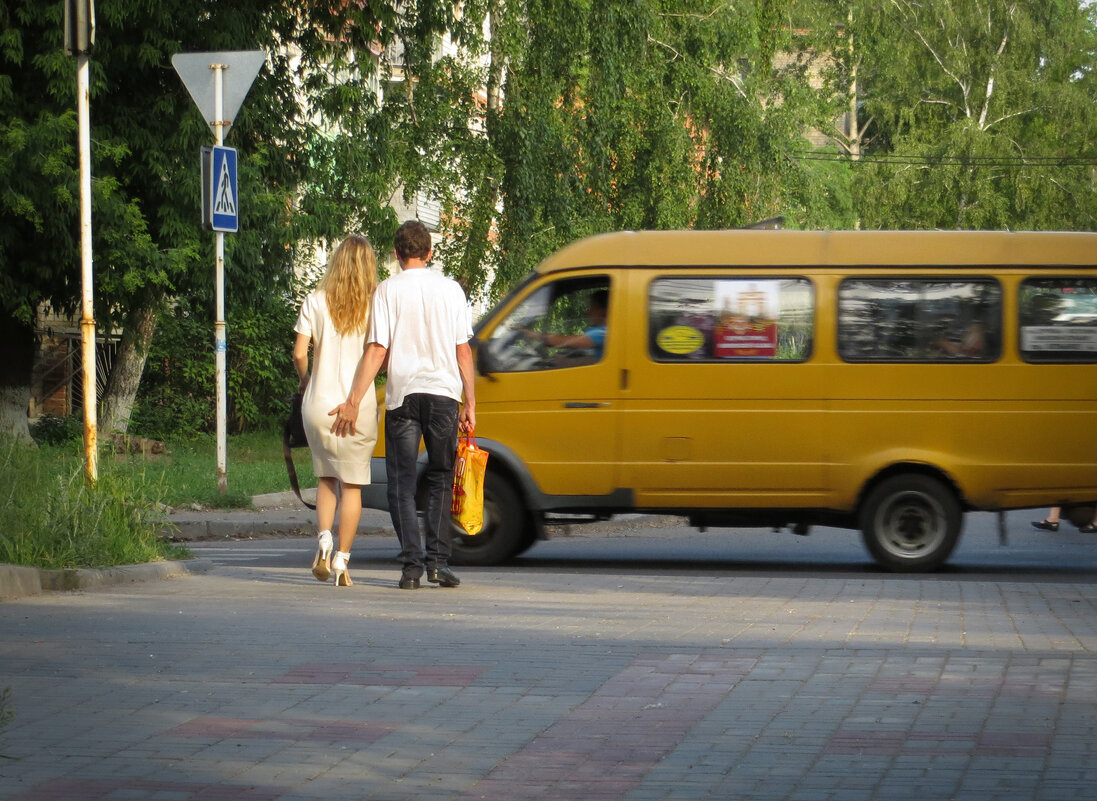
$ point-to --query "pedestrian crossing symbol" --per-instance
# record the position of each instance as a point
(222, 202)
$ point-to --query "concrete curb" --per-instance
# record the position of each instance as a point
(224, 527)
(18, 582)
(273, 515)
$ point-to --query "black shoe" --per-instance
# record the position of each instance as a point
(443, 576)
(1088, 528)
(1046, 525)
(408, 583)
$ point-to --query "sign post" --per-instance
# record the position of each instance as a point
(218, 83)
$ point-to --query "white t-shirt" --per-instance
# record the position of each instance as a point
(421, 317)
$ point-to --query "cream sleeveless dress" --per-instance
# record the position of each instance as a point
(334, 360)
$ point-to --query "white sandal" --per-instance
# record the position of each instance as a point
(321, 565)
(339, 568)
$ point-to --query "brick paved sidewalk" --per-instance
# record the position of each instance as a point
(260, 684)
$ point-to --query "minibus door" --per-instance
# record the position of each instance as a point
(547, 388)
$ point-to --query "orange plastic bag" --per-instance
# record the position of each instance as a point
(469, 469)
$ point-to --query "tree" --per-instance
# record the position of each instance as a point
(625, 114)
(315, 162)
(975, 114)
(555, 119)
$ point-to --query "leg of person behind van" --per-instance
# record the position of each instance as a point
(1049, 523)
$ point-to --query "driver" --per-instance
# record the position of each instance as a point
(593, 338)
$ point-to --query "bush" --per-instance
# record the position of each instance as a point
(50, 430)
(178, 388)
(51, 518)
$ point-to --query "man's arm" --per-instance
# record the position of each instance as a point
(346, 413)
(467, 421)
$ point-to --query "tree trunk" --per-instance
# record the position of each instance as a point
(125, 373)
(15, 370)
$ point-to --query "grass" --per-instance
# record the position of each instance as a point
(254, 465)
(187, 473)
(50, 518)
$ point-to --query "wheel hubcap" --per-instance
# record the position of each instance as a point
(911, 524)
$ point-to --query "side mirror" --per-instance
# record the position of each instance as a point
(484, 359)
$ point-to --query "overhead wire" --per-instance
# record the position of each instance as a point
(948, 161)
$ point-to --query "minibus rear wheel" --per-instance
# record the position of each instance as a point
(505, 526)
(911, 523)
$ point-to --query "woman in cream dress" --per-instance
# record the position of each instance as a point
(334, 320)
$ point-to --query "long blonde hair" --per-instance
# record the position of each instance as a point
(349, 283)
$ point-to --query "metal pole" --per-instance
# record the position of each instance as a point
(87, 318)
(219, 342)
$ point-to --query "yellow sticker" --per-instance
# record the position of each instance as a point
(680, 339)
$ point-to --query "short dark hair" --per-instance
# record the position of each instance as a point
(412, 241)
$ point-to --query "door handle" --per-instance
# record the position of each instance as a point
(583, 405)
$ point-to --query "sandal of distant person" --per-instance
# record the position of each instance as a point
(1051, 522)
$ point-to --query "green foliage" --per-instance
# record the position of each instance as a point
(614, 114)
(548, 121)
(977, 115)
(255, 466)
(52, 430)
(51, 518)
(178, 392)
(186, 475)
(315, 162)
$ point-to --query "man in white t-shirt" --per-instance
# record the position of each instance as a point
(420, 321)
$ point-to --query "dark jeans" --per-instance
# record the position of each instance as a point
(433, 419)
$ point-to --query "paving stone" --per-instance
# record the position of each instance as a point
(261, 684)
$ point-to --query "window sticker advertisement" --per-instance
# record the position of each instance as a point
(730, 319)
(746, 325)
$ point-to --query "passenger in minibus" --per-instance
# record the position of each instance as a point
(971, 344)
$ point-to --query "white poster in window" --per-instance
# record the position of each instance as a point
(746, 323)
(1058, 337)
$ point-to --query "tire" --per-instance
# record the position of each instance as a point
(506, 530)
(911, 523)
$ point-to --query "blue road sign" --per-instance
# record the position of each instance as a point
(224, 200)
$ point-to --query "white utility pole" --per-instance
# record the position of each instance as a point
(79, 36)
(220, 344)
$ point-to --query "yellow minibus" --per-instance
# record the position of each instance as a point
(882, 381)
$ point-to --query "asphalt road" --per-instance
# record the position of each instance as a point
(646, 545)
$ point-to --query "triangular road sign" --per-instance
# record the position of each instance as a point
(241, 67)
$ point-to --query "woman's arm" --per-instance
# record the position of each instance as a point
(301, 360)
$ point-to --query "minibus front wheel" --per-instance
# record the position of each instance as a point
(911, 523)
(505, 530)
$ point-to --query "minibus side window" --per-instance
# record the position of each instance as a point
(712, 319)
(919, 320)
(562, 324)
(1058, 319)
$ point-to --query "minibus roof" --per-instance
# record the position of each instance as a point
(823, 248)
